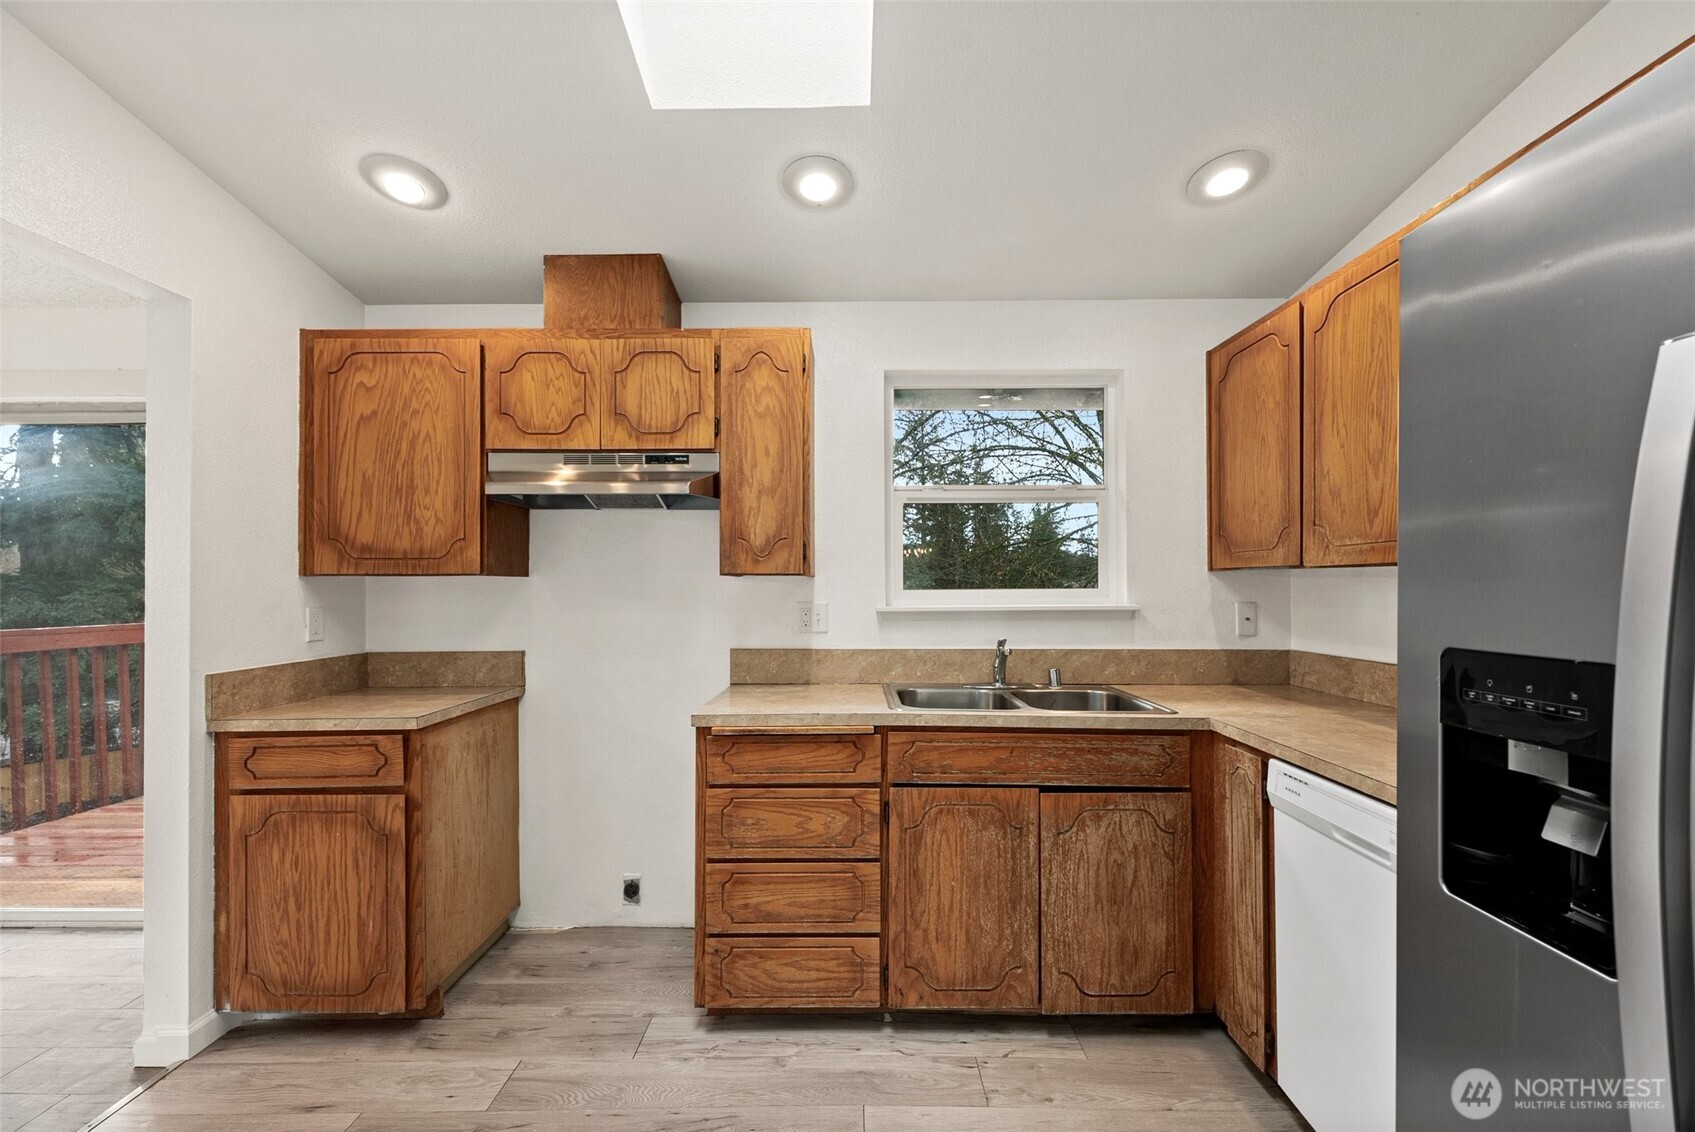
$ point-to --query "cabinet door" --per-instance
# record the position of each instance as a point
(765, 526)
(963, 898)
(391, 456)
(660, 393)
(1352, 364)
(541, 391)
(1242, 983)
(1254, 445)
(1116, 905)
(316, 902)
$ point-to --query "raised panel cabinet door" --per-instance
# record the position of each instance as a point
(660, 393)
(1352, 363)
(765, 481)
(1117, 911)
(963, 899)
(1254, 445)
(391, 456)
(1243, 991)
(541, 391)
(316, 892)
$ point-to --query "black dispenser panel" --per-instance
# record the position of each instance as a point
(1526, 794)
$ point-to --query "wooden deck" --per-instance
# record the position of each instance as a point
(86, 860)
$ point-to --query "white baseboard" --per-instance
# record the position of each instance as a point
(167, 1045)
(70, 917)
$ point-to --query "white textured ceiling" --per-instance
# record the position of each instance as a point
(1011, 150)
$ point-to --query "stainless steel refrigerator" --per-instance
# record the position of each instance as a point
(1547, 634)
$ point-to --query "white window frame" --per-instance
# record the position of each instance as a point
(1109, 498)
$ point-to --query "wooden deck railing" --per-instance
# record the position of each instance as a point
(70, 720)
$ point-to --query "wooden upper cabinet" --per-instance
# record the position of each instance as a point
(661, 392)
(963, 900)
(343, 856)
(1242, 981)
(1352, 361)
(1254, 445)
(765, 525)
(391, 456)
(541, 391)
(1117, 910)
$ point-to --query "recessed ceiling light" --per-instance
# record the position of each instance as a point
(1229, 175)
(818, 181)
(751, 54)
(403, 180)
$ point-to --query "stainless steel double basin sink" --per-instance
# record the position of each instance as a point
(1080, 698)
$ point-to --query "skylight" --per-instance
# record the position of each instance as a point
(751, 54)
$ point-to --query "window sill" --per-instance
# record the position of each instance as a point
(1096, 607)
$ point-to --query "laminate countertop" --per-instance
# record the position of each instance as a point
(370, 709)
(1347, 741)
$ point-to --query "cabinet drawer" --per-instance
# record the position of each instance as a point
(1072, 759)
(755, 760)
(820, 972)
(791, 823)
(794, 897)
(303, 762)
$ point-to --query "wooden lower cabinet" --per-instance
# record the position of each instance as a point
(1080, 874)
(964, 898)
(1234, 898)
(1117, 910)
(321, 884)
(813, 973)
(359, 874)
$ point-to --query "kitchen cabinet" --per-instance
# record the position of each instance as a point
(661, 393)
(360, 873)
(542, 391)
(1254, 445)
(1350, 373)
(789, 869)
(391, 460)
(765, 524)
(1117, 908)
(1234, 901)
(964, 898)
(1017, 871)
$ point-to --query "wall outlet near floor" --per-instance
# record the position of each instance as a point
(632, 888)
(314, 623)
(1247, 618)
(812, 616)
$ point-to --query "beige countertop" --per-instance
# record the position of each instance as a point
(370, 709)
(1347, 741)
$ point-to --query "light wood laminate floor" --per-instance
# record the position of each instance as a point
(594, 1029)
(70, 1011)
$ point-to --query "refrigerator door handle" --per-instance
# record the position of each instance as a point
(1651, 781)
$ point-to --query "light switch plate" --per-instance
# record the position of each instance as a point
(1247, 618)
(314, 623)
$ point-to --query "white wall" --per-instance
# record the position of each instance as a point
(1352, 612)
(48, 352)
(79, 172)
(628, 626)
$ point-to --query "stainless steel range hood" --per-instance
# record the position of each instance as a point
(675, 481)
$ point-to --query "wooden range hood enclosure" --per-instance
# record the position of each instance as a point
(396, 425)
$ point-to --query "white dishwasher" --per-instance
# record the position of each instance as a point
(1333, 895)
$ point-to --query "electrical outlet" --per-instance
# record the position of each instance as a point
(812, 617)
(632, 888)
(314, 623)
(1247, 618)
